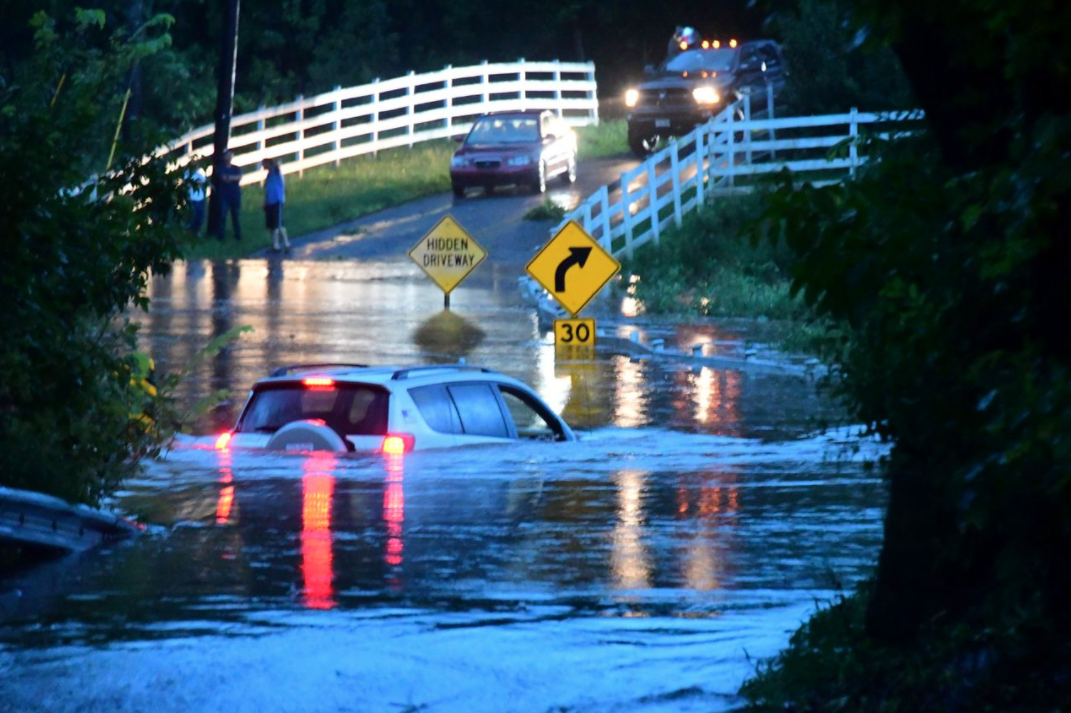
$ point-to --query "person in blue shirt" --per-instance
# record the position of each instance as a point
(228, 188)
(274, 197)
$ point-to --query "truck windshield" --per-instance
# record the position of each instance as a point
(720, 60)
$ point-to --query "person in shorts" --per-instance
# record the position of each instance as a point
(274, 197)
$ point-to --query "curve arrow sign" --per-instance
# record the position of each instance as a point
(577, 256)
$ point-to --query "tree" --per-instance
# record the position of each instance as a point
(947, 263)
(79, 242)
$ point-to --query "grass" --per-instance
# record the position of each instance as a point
(547, 210)
(710, 267)
(609, 138)
(327, 196)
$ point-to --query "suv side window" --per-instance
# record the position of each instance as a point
(530, 418)
(481, 415)
(437, 408)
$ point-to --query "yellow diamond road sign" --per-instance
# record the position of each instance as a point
(573, 267)
(447, 253)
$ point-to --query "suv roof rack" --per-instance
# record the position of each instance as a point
(284, 370)
(404, 373)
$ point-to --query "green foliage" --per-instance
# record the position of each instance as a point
(710, 267)
(947, 263)
(831, 69)
(75, 257)
(609, 138)
(547, 210)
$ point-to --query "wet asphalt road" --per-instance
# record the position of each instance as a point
(495, 221)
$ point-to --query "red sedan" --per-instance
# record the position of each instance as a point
(519, 148)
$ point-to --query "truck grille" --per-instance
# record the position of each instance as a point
(667, 97)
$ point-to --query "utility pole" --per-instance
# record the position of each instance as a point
(228, 60)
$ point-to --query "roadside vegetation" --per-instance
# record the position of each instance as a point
(609, 138)
(77, 409)
(945, 263)
(713, 267)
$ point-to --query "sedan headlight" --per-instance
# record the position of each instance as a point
(459, 162)
(522, 160)
(632, 96)
(706, 95)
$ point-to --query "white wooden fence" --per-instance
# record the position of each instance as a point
(397, 112)
(728, 153)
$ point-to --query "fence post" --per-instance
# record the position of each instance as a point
(409, 92)
(594, 97)
(485, 80)
(558, 90)
(652, 190)
(747, 128)
(260, 126)
(375, 118)
(730, 151)
(607, 240)
(300, 120)
(626, 214)
(771, 114)
(449, 86)
(700, 171)
(853, 132)
(674, 162)
(336, 125)
(523, 76)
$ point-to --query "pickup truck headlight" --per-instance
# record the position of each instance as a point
(706, 95)
(522, 160)
(632, 96)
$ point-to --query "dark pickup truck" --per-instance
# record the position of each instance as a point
(696, 84)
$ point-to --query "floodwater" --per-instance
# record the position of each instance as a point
(644, 568)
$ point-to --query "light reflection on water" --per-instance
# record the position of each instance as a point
(691, 513)
(389, 313)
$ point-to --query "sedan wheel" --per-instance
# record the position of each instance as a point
(570, 173)
(540, 185)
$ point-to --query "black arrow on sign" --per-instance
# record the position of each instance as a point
(578, 256)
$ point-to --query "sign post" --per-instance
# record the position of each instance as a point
(573, 267)
(447, 254)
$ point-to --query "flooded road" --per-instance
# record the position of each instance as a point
(693, 525)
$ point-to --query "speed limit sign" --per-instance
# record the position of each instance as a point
(574, 332)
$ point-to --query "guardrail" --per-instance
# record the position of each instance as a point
(350, 122)
(726, 154)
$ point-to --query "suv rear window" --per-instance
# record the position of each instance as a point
(350, 409)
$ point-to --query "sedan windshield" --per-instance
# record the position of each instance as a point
(504, 130)
(720, 60)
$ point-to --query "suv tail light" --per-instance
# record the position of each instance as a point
(398, 443)
(319, 382)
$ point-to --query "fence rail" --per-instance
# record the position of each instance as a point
(730, 153)
(727, 154)
(403, 111)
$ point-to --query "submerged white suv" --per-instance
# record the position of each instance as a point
(352, 407)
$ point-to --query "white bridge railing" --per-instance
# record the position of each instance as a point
(727, 154)
(349, 122)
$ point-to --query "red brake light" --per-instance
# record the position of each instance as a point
(398, 443)
(319, 382)
(223, 440)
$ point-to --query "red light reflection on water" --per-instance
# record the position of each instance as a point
(226, 494)
(317, 558)
(394, 512)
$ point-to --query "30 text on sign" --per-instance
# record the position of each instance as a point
(573, 267)
(574, 332)
(447, 254)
